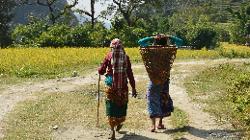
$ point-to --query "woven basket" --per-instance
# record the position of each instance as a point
(158, 61)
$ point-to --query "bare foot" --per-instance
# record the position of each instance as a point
(161, 126)
(152, 129)
(112, 135)
(118, 128)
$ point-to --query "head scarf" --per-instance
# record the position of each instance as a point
(119, 63)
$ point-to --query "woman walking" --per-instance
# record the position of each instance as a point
(159, 102)
(117, 69)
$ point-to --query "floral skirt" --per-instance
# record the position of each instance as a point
(116, 107)
(159, 101)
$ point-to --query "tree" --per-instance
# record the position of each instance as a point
(54, 12)
(6, 15)
(90, 14)
(127, 9)
(242, 24)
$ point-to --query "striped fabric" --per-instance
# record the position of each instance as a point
(119, 63)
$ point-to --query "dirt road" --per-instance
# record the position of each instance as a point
(201, 125)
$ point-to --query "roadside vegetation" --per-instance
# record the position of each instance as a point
(225, 92)
(57, 62)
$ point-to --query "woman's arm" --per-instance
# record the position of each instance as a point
(177, 41)
(130, 74)
(144, 42)
(131, 78)
(104, 65)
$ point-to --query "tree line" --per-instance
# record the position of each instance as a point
(199, 23)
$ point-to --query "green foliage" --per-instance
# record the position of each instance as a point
(241, 26)
(78, 36)
(55, 36)
(233, 51)
(204, 37)
(239, 93)
(6, 15)
(195, 29)
(131, 35)
(227, 91)
(99, 35)
(200, 24)
(58, 35)
(223, 32)
(30, 33)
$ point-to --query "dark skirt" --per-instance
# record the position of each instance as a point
(159, 101)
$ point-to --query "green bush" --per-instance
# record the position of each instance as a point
(42, 35)
(196, 30)
(56, 36)
(28, 34)
(227, 91)
(223, 32)
(78, 36)
(240, 27)
(128, 35)
(237, 34)
(100, 36)
(239, 94)
(204, 37)
(131, 35)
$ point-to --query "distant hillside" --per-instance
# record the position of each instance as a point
(22, 12)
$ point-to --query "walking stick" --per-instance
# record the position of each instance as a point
(98, 101)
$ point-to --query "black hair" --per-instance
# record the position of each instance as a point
(161, 41)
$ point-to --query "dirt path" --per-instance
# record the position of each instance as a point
(17, 93)
(201, 126)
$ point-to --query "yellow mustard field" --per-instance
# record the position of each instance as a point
(48, 61)
(39, 62)
(233, 51)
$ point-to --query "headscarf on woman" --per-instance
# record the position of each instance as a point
(117, 68)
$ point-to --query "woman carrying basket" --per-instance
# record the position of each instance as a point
(117, 69)
(159, 102)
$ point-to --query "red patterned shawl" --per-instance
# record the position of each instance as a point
(119, 62)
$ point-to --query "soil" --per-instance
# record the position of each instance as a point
(201, 124)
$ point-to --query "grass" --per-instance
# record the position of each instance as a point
(225, 90)
(179, 120)
(48, 62)
(35, 119)
(61, 62)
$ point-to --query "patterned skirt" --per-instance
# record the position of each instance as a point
(116, 106)
(159, 101)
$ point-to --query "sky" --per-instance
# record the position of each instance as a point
(85, 5)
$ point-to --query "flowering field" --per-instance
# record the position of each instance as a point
(26, 62)
(51, 62)
(234, 51)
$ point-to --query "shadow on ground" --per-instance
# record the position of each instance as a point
(207, 134)
(132, 136)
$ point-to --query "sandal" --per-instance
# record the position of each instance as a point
(161, 126)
